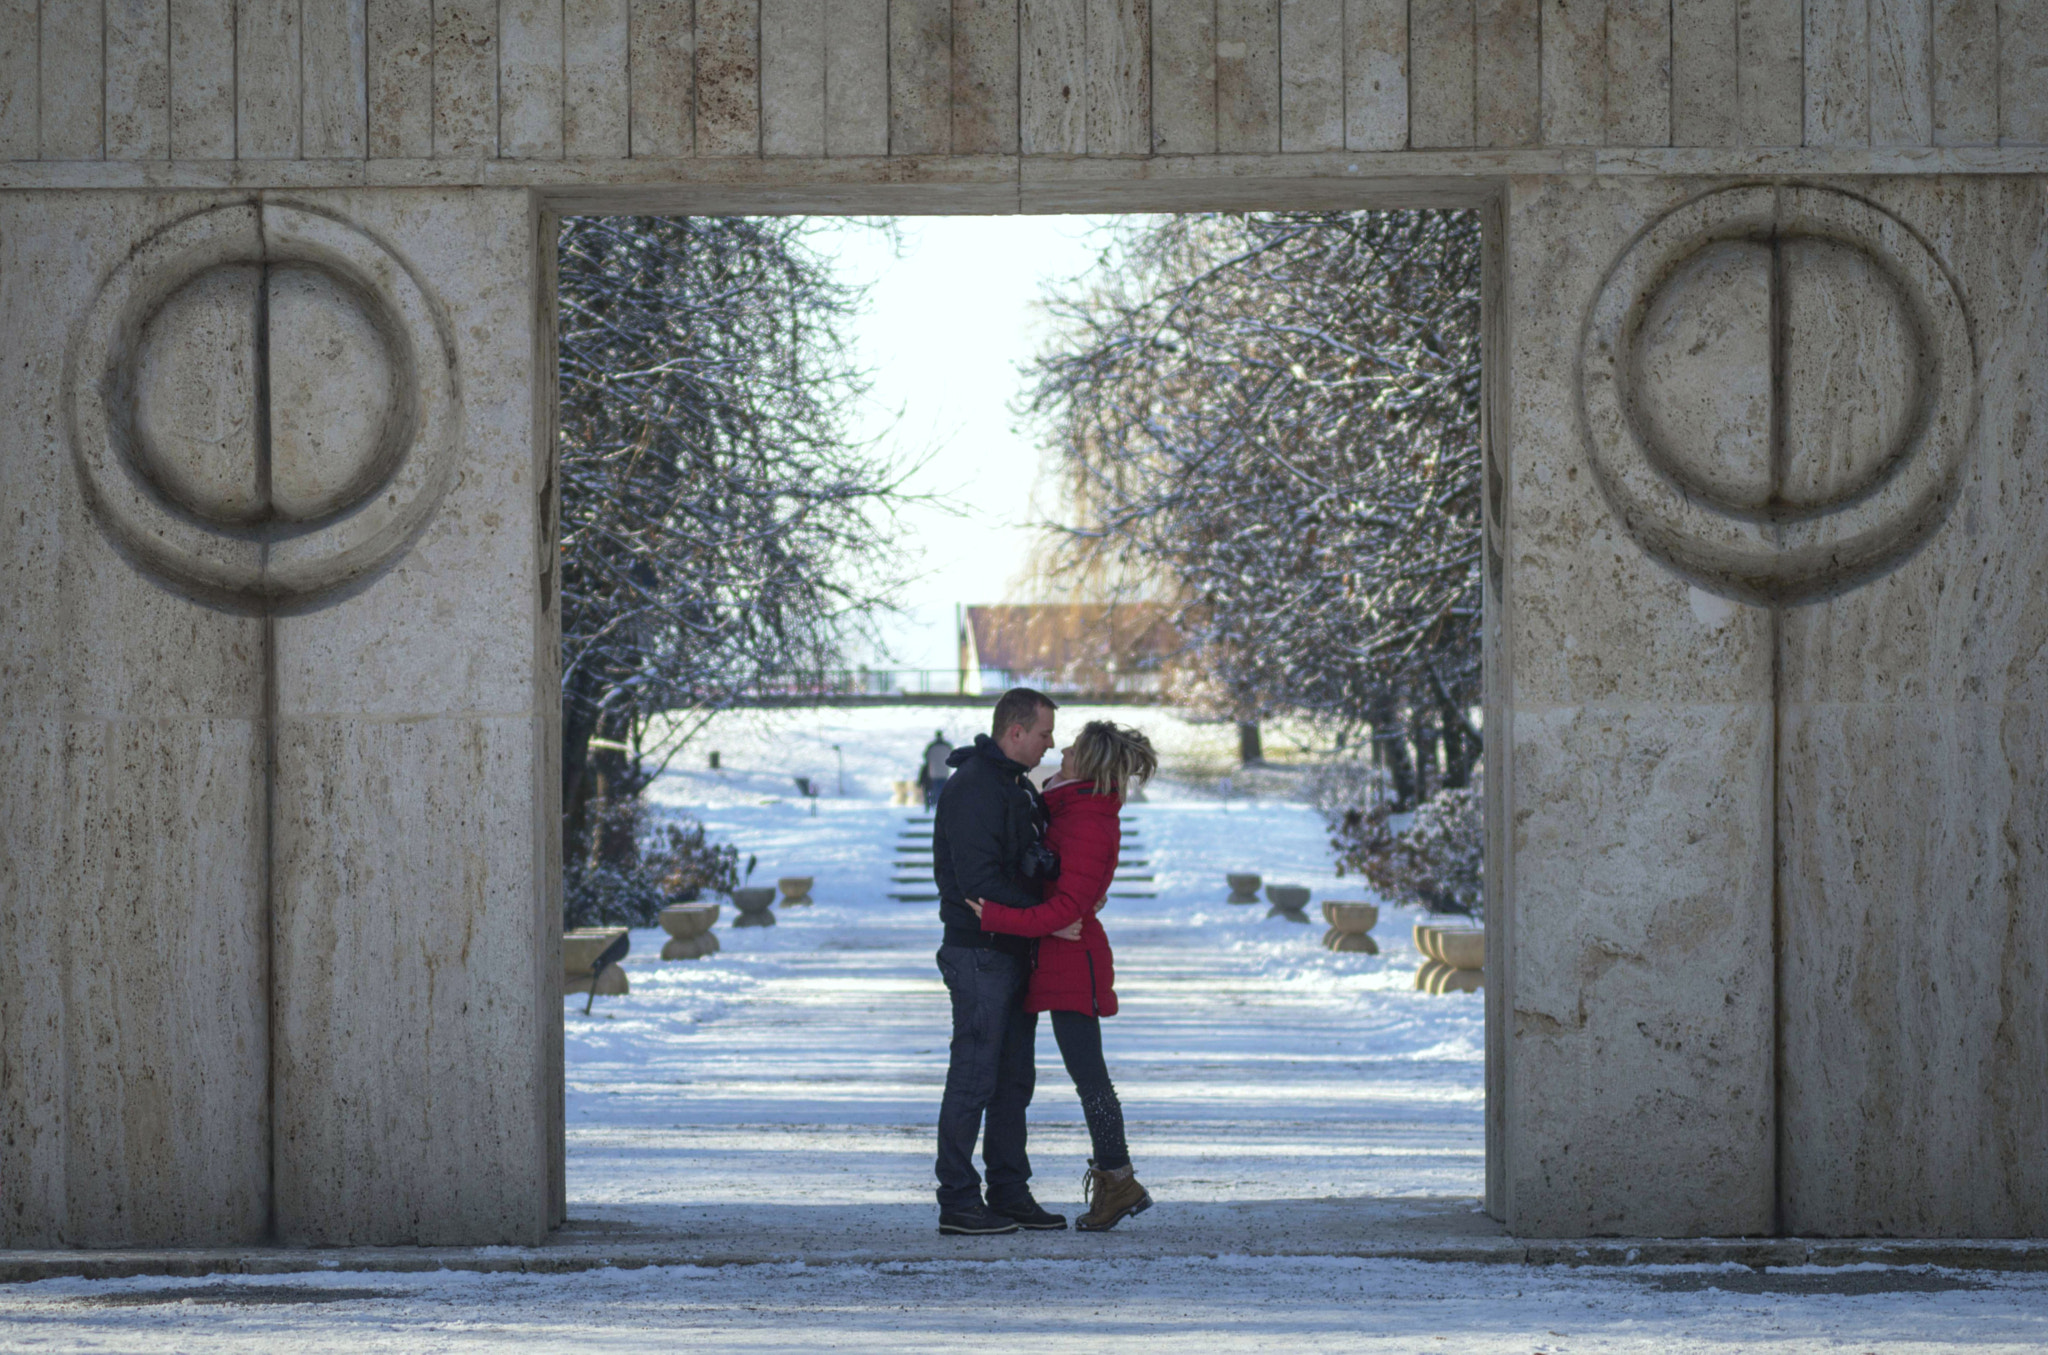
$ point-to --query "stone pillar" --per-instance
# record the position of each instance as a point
(1770, 929)
(1636, 914)
(1913, 797)
(276, 907)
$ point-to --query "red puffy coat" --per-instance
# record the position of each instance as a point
(1072, 976)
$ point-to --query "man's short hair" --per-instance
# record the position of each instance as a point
(1020, 706)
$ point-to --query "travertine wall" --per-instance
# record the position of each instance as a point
(337, 82)
(276, 913)
(1773, 922)
(1766, 697)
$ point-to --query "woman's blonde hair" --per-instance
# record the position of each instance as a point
(1114, 757)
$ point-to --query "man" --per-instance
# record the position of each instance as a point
(932, 775)
(988, 822)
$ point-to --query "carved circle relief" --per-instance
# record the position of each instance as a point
(264, 407)
(1777, 387)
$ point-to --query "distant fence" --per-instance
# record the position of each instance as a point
(884, 686)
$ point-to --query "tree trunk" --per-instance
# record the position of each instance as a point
(1250, 751)
(1390, 750)
(1423, 734)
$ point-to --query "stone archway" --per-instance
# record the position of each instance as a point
(1764, 669)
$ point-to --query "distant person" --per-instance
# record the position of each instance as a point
(1074, 979)
(987, 843)
(932, 775)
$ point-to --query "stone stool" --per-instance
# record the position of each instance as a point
(754, 905)
(580, 949)
(1455, 959)
(796, 889)
(1351, 925)
(1288, 901)
(689, 930)
(1243, 888)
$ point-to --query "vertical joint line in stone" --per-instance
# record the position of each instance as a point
(269, 848)
(1780, 413)
(1780, 424)
(1777, 1091)
(268, 834)
(261, 417)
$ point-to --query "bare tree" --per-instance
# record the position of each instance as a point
(718, 521)
(1272, 420)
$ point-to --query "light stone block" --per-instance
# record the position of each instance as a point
(1508, 87)
(138, 81)
(1119, 75)
(1800, 845)
(857, 78)
(1634, 913)
(662, 63)
(414, 810)
(383, 903)
(1706, 56)
(530, 62)
(334, 123)
(985, 77)
(1913, 804)
(920, 77)
(1312, 76)
(1184, 77)
(1574, 72)
(1965, 49)
(399, 51)
(1375, 75)
(1247, 76)
(1771, 89)
(18, 37)
(70, 89)
(792, 77)
(133, 964)
(595, 42)
(268, 63)
(728, 78)
(1441, 47)
(465, 78)
(1053, 77)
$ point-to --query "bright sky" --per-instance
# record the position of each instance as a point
(952, 316)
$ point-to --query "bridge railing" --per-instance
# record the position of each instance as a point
(902, 683)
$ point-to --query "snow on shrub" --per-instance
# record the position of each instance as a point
(676, 864)
(1438, 859)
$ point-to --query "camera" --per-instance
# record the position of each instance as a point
(1039, 862)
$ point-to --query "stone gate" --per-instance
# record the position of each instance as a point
(1767, 555)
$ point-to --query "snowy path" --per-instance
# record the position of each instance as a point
(1222, 1304)
(803, 1064)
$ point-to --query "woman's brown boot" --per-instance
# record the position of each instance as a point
(1113, 1194)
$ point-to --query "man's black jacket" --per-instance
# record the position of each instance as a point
(987, 812)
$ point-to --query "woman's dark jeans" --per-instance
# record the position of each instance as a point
(993, 1070)
(1080, 1037)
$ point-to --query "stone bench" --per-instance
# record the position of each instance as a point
(580, 949)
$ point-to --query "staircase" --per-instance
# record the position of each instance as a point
(913, 864)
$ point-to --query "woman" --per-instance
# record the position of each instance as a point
(1074, 977)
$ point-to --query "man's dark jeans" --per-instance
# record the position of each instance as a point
(993, 1070)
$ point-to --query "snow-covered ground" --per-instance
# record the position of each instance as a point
(1205, 1304)
(803, 1064)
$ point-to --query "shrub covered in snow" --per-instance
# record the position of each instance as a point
(676, 864)
(1438, 858)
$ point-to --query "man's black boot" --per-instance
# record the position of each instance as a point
(1028, 1213)
(976, 1219)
